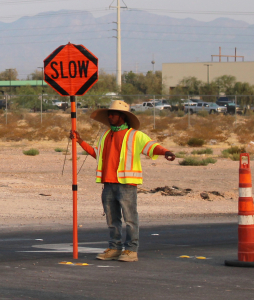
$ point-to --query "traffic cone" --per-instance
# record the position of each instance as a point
(245, 217)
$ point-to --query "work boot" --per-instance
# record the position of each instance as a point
(109, 254)
(128, 255)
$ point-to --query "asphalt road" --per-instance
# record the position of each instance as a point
(175, 262)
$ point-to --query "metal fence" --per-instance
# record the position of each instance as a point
(45, 103)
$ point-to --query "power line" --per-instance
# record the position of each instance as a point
(194, 12)
(165, 40)
(198, 26)
(136, 31)
(189, 33)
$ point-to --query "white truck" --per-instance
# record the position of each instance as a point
(142, 107)
(149, 105)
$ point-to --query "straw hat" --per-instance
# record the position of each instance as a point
(101, 115)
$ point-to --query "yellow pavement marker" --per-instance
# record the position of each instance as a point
(65, 263)
(71, 263)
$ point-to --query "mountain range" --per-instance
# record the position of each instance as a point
(146, 37)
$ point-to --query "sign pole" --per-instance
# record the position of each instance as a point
(74, 176)
(71, 70)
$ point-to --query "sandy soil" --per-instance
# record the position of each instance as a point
(35, 193)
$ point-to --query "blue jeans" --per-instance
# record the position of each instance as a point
(121, 199)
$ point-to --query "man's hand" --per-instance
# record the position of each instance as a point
(72, 136)
(170, 156)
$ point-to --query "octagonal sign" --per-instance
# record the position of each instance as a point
(71, 70)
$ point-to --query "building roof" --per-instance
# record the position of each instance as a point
(18, 83)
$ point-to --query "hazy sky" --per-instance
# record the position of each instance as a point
(203, 10)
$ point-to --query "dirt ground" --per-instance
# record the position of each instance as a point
(35, 193)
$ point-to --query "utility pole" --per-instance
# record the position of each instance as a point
(41, 89)
(119, 54)
(208, 72)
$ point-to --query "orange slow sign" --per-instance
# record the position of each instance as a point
(71, 70)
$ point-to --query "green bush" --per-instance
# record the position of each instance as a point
(193, 161)
(195, 142)
(233, 152)
(59, 150)
(202, 151)
(181, 154)
(210, 160)
(31, 152)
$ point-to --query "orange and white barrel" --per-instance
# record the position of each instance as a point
(245, 212)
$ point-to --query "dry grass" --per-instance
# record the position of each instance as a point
(56, 127)
(244, 130)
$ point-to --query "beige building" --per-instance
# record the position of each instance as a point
(172, 73)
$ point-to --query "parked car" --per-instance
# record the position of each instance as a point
(142, 107)
(181, 104)
(232, 109)
(3, 104)
(161, 105)
(210, 107)
(223, 100)
(196, 100)
(60, 104)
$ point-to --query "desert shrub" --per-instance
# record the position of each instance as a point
(59, 150)
(202, 151)
(193, 161)
(195, 142)
(233, 153)
(233, 150)
(210, 160)
(31, 152)
(181, 154)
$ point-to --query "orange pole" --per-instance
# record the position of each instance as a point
(74, 178)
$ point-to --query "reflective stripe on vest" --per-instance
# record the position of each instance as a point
(147, 147)
(99, 145)
(130, 174)
(99, 174)
(130, 147)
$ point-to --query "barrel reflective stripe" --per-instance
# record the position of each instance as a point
(129, 156)
(245, 192)
(246, 220)
(129, 174)
(147, 147)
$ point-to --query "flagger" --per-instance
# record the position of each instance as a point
(119, 169)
